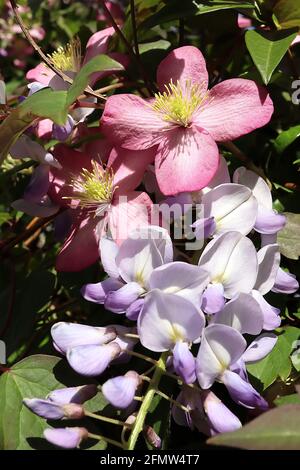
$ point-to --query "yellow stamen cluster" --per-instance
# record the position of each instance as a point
(94, 189)
(179, 102)
(68, 58)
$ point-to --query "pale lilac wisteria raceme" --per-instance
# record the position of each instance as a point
(208, 321)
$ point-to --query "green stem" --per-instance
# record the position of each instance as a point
(151, 390)
(106, 439)
(106, 419)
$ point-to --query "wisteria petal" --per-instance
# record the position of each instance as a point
(256, 183)
(109, 250)
(260, 347)
(233, 207)
(242, 392)
(233, 108)
(220, 417)
(268, 265)
(242, 313)
(44, 408)
(91, 360)
(119, 391)
(138, 257)
(183, 64)
(73, 394)
(225, 259)
(184, 362)
(285, 283)
(204, 228)
(271, 314)
(130, 122)
(69, 335)
(44, 208)
(98, 292)
(133, 311)
(119, 300)
(268, 221)
(166, 319)
(68, 438)
(186, 160)
(213, 299)
(182, 279)
(221, 346)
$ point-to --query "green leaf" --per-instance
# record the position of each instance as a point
(293, 399)
(287, 13)
(278, 362)
(267, 48)
(161, 44)
(177, 9)
(286, 138)
(35, 376)
(45, 103)
(289, 237)
(100, 63)
(278, 429)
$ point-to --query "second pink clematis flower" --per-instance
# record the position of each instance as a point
(101, 199)
(185, 119)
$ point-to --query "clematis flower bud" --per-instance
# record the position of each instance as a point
(68, 438)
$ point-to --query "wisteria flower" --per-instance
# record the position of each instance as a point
(101, 199)
(185, 119)
(129, 268)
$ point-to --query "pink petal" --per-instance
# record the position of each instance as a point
(41, 73)
(129, 166)
(187, 159)
(130, 122)
(184, 63)
(43, 129)
(235, 108)
(80, 250)
(98, 44)
(129, 212)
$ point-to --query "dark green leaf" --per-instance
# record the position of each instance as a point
(267, 48)
(278, 429)
(289, 237)
(286, 138)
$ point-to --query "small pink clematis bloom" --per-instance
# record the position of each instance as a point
(69, 60)
(101, 199)
(185, 120)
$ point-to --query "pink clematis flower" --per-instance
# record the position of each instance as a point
(69, 60)
(185, 119)
(100, 199)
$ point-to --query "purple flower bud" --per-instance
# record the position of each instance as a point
(204, 228)
(91, 360)
(242, 392)
(51, 410)
(151, 437)
(69, 335)
(61, 133)
(285, 283)
(73, 394)
(68, 438)
(120, 391)
(184, 362)
(220, 417)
